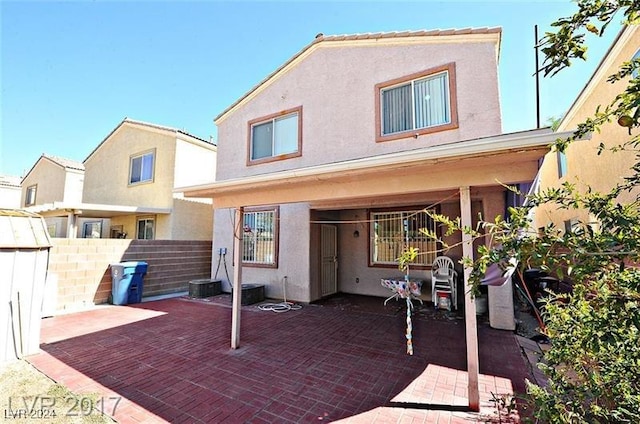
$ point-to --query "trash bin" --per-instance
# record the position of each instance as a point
(127, 279)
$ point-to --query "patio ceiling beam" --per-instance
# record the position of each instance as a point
(382, 182)
(471, 330)
(237, 280)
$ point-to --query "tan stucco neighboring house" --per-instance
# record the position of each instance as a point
(53, 179)
(580, 164)
(328, 162)
(129, 181)
(10, 192)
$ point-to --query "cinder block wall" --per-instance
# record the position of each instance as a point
(79, 268)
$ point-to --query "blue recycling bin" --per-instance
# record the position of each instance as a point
(127, 278)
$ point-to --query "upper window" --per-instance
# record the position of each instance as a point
(276, 136)
(391, 232)
(141, 168)
(30, 198)
(636, 71)
(417, 104)
(260, 238)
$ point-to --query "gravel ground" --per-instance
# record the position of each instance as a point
(28, 396)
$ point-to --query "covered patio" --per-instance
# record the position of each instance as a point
(472, 172)
(342, 359)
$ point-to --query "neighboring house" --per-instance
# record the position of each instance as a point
(53, 179)
(580, 164)
(128, 185)
(10, 192)
(330, 160)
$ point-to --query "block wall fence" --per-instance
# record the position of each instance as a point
(80, 276)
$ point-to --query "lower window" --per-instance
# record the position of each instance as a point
(146, 228)
(391, 232)
(260, 237)
(92, 229)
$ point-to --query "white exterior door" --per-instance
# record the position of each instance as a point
(329, 259)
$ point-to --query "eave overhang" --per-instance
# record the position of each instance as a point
(478, 162)
(93, 210)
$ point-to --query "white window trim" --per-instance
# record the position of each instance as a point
(141, 155)
(31, 189)
(146, 218)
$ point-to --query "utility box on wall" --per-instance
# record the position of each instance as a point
(24, 258)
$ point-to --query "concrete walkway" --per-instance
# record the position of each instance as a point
(341, 361)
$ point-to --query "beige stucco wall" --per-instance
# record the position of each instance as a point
(195, 163)
(10, 197)
(293, 257)
(50, 180)
(336, 88)
(130, 224)
(73, 185)
(107, 170)
(299, 246)
(191, 220)
(584, 166)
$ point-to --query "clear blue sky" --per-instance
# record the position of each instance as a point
(71, 71)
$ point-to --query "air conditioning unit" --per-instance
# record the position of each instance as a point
(204, 288)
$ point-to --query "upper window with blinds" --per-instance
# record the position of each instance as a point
(275, 137)
(417, 104)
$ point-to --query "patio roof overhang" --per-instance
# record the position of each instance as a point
(501, 159)
(93, 210)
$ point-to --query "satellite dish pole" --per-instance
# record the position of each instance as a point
(537, 74)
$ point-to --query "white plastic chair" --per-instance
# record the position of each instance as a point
(443, 280)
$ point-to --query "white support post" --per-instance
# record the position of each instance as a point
(72, 225)
(237, 280)
(471, 330)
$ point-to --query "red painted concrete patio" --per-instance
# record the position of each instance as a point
(341, 360)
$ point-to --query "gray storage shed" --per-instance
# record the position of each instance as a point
(24, 257)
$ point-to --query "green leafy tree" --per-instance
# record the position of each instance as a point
(593, 364)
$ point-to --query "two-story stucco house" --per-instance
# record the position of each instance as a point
(53, 179)
(581, 164)
(326, 166)
(352, 137)
(128, 186)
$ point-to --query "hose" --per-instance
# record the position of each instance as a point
(283, 306)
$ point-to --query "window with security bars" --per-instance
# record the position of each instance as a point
(393, 231)
(260, 234)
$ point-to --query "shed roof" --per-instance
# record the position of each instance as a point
(22, 229)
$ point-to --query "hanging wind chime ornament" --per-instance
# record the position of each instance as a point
(408, 290)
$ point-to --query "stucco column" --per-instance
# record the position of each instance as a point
(237, 280)
(471, 330)
(72, 225)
